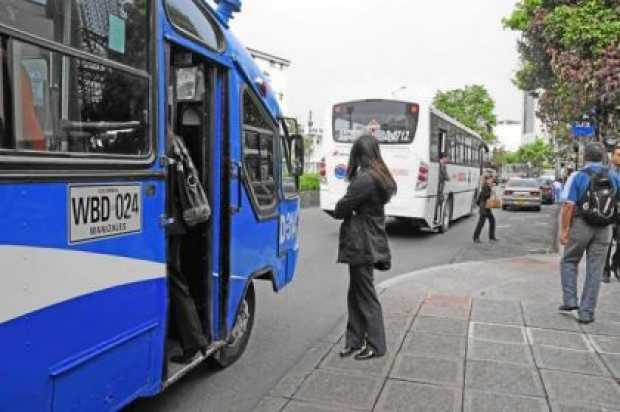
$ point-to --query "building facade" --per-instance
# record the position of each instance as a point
(532, 126)
(509, 134)
(276, 70)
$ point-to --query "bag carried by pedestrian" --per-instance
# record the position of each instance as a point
(493, 202)
(597, 207)
(193, 199)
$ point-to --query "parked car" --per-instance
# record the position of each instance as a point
(522, 193)
(546, 188)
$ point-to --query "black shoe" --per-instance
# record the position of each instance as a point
(585, 321)
(347, 351)
(605, 279)
(367, 353)
(566, 308)
(477, 241)
(616, 273)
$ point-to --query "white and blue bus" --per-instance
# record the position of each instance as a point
(88, 91)
(412, 136)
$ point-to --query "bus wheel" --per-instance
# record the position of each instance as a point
(446, 216)
(240, 335)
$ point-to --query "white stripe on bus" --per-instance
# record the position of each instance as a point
(33, 278)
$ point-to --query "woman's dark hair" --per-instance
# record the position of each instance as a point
(365, 154)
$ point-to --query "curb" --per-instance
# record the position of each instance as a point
(386, 284)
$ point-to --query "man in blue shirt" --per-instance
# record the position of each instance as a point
(578, 237)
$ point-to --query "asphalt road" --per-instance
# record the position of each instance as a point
(290, 322)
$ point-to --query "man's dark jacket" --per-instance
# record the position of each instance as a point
(485, 194)
(363, 240)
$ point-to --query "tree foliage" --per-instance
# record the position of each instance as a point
(537, 154)
(472, 106)
(570, 49)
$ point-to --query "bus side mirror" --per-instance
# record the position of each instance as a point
(297, 153)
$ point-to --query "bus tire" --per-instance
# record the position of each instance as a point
(242, 329)
(446, 216)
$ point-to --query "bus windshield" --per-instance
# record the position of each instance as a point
(388, 121)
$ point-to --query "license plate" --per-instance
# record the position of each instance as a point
(103, 211)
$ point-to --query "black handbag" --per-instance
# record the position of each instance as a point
(193, 198)
(383, 265)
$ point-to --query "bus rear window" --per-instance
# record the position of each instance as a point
(389, 121)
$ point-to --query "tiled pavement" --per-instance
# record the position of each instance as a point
(458, 353)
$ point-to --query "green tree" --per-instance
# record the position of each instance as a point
(472, 106)
(537, 154)
(503, 157)
(570, 49)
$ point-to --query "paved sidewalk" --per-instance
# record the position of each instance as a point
(479, 336)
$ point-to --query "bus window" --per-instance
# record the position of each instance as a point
(112, 29)
(289, 183)
(389, 121)
(258, 156)
(192, 19)
(97, 110)
(4, 91)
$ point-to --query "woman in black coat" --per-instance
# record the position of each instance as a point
(364, 246)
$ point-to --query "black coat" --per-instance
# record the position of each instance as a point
(485, 194)
(363, 240)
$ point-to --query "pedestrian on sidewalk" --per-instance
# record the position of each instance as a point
(363, 245)
(612, 262)
(557, 190)
(485, 213)
(586, 227)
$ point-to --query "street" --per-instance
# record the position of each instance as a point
(290, 322)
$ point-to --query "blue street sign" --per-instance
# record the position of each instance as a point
(582, 129)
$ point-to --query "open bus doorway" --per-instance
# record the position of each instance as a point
(190, 117)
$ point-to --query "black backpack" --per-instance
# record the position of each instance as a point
(598, 204)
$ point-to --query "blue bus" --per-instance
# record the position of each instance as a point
(91, 94)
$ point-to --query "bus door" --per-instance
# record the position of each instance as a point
(251, 229)
(292, 165)
(192, 84)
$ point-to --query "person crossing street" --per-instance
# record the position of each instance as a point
(485, 212)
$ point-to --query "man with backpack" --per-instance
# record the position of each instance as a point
(588, 213)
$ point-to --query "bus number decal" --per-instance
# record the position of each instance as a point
(103, 211)
(288, 227)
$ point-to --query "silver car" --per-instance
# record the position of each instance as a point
(522, 193)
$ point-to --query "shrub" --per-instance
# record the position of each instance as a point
(309, 182)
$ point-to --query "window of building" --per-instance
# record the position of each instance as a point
(191, 17)
(259, 155)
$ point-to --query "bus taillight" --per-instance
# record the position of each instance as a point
(323, 170)
(422, 182)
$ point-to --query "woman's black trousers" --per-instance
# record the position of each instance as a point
(365, 322)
